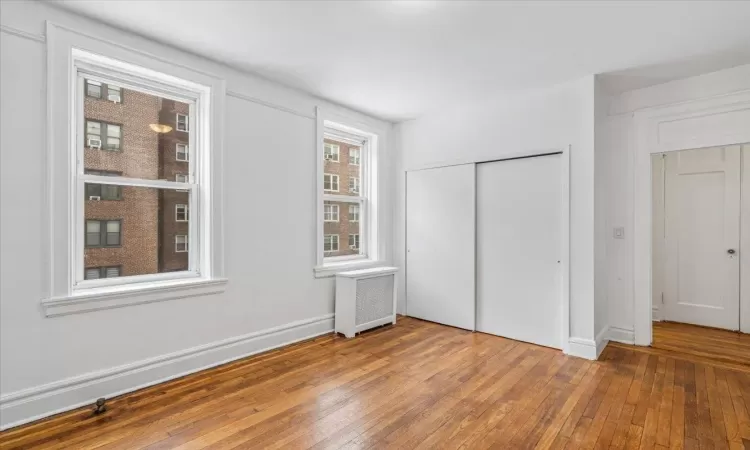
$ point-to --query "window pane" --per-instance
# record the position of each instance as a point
(136, 236)
(340, 169)
(114, 94)
(137, 138)
(112, 272)
(343, 228)
(94, 89)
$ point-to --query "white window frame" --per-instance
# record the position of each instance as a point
(333, 215)
(186, 152)
(333, 126)
(338, 182)
(70, 56)
(177, 208)
(332, 153)
(187, 242)
(177, 122)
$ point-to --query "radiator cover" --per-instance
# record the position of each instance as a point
(365, 299)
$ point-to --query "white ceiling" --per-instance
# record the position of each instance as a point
(398, 59)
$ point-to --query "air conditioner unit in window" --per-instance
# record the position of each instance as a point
(365, 299)
(328, 157)
(114, 99)
(353, 247)
(94, 197)
(95, 143)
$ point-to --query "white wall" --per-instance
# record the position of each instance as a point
(502, 125)
(621, 142)
(48, 364)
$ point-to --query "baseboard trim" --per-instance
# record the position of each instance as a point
(589, 348)
(622, 335)
(20, 407)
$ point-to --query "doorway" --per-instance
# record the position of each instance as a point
(697, 220)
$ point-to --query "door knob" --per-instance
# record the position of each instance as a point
(731, 251)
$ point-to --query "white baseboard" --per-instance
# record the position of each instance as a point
(655, 314)
(589, 348)
(622, 335)
(25, 406)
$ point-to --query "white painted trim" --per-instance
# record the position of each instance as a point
(622, 335)
(135, 294)
(588, 348)
(23, 34)
(649, 141)
(332, 269)
(24, 406)
(582, 348)
(565, 253)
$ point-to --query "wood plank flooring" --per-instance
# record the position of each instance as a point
(420, 385)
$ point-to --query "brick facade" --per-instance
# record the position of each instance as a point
(146, 215)
(344, 227)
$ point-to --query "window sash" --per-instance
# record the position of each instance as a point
(181, 243)
(331, 243)
(103, 237)
(331, 152)
(354, 154)
(181, 210)
(331, 213)
(332, 180)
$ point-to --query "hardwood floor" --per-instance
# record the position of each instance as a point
(421, 385)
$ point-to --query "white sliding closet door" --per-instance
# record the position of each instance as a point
(519, 249)
(440, 245)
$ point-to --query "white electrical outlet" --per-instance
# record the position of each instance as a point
(619, 233)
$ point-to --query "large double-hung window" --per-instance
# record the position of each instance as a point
(346, 221)
(134, 249)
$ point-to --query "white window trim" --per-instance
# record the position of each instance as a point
(334, 126)
(177, 152)
(177, 122)
(128, 68)
(338, 182)
(333, 207)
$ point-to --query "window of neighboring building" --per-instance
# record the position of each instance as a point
(353, 213)
(103, 191)
(94, 273)
(354, 185)
(181, 178)
(103, 233)
(330, 182)
(182, 152)
(354, 242)
(354, 156)
(181, 213)
(331, 152)
(181, 243)
(97, 89)
(182, 122)
(331, 243)
(331, 213)
(102, 135)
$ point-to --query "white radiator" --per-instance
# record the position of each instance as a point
(365, 299)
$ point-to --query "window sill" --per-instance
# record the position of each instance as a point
(120, 296)
(331, 269)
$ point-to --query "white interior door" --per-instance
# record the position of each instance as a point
(440, 245)
(702, 226)
(519, 247)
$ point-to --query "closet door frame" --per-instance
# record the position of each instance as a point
(590, 347)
